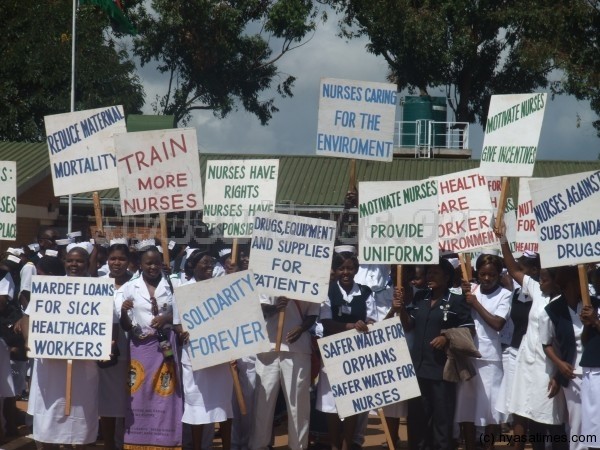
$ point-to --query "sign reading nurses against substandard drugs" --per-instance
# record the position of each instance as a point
(8, 200)
(81, 147)
(397, 222)
(369, 370)
(236, 190)
(224, 319)
(159, 171)
(291, 256)
(526, 236)
(568, 218)
(512, 134)
(71, 317)
(356, 119)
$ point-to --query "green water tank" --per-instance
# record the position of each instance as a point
(423, 109)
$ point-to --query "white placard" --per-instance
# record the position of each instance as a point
(81, 148)
(368, 371)
(159, 171)
(510, 212)
(398, 222)
(236, 190)
(512, 134)
(71, 317)
(568, 218)
(356, 119)
(291, 256)
(525, 235)
(224, 319)
(8, 200)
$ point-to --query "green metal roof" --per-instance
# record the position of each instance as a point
(140, 122)
(33, 163)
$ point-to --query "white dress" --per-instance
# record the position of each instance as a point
(7, 388)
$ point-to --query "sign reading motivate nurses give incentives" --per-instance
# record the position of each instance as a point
(291, 256)
(526, 235)
(82, 154)
(512, 134)
(159, 171)
(369, 370)
(8, 200)
(71, 317)
(568, 218)
(356, 119)
(224, 319)
(397, 222)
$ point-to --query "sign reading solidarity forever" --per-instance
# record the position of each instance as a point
(526, 235)
(369, 370)
(356, 119)
(71, 317)
(8, 200)
(82, 154)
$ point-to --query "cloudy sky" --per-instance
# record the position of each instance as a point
(293, 129)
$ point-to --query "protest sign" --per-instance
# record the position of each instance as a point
(567, 218)
(291, 256)
(369, 370)
(512, 133)
(8, 200)
(397, 222)
(236, 190)
(356, 119)
(224, 319)
(159, 171)
(525, 235)
(81, 148)
(71, 317)
(510, 213)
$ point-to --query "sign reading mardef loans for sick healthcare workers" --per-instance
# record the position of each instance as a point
(397, 222)
(512, 134)
(356, 119)
(568, 218)
(8, 200)
(224, 319)
(291, 256)
(71, 317)
(369, 370)
(81, 147)
(159, 171)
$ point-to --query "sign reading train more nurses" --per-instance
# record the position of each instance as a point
(81, 147)
(369, 370)
(8, 200)
(356, 119)
(71, 317)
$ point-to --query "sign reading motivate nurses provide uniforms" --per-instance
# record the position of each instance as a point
(356, 119)
(568, 218)
(224, 319)
(369, 370)
(82, 154)
(159, 171)
(71, 317)
(291, 256)
(512, 134)
(8, 200)
(526, 236)
(397, 222)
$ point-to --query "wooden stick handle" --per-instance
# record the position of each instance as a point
(399, 276)
(163, 239)
(352, 184)
(238, 389)
(68, 387)
(234, 252)
(386, 430)
(463, 267)
(280, 330)
(583, 285)
(502, 203)
(97, 212)
(469, 266)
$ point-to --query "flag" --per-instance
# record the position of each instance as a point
(116, 13)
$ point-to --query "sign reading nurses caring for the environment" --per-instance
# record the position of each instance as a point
(81, 149)
(512, 134)
(8, 200)
(356, 119)
(525, 235)
(159, 171)
(397, 222)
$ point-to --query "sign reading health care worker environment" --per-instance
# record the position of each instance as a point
(224, 319)
(291, 256)
(526, 235)
(356, 119)
(568, 218)
(81, 147)
(397, 222)
(8, 200)
(369, 370)
(71, 317)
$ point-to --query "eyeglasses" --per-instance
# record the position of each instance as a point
(154, 306)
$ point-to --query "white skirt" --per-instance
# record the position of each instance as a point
(325, 399)
(590, 401)
(7, 387)
(509, 362)
(475, 399)
(207, 394)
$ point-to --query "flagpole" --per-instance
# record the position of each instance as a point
(70, 211)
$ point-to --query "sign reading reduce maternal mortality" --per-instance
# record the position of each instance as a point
(369, 370)
(82, 154)
(71, 317)
(8, 200)
(356, 119)
(159, 171)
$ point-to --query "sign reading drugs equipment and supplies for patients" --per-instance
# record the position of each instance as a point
(8, 200)
(71, 317)
(397, 222)
(568, 218)
(356, 119)
(291, 255)
(81, 149)
(159, 171)
(369, 370)
(224, 319)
